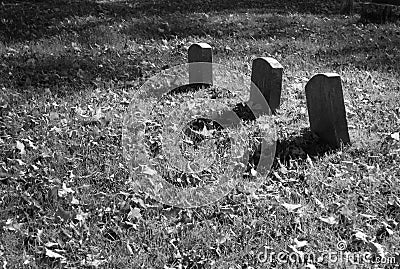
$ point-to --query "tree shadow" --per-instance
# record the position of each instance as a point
(377, 53)
(183, 25)
(54, 26)
(32, 20)
(67, 72)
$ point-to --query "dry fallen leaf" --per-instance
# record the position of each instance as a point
(300, 244)
(30, 143)
(319, 203)
(134, 214)
(367, 216)
(394, 201)
(128, 247)
(52, 254)
(291, 207)
(395, 136)
(329, 220)
(148, 171)
(92, 261)
(81, 216)
(21, 147)
(20, 162)
(74, 201)
(50, 244)
(361, 236)
(65, 190)
(12, 225)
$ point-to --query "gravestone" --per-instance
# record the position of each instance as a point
(326, 109)
(266, 75)
(200, 60)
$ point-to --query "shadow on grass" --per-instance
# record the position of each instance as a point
(116, 23)
(301, 146)
(50, 28)
(68, 72)
(296, 148)
(379, 52)
(32, 20)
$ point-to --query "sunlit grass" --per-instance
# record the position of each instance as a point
(63, 94)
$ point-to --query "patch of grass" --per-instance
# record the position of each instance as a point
(68, 71)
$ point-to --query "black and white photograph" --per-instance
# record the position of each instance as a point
(191, 134)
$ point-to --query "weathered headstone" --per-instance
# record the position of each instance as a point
(266, 75)
(200, 60)
(326, 109)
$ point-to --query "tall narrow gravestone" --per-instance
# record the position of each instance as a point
(200, 60)
(266, 75)
(326, 109)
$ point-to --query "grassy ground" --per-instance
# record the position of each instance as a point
(67, 72)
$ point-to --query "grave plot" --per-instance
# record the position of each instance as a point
(325, 103)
